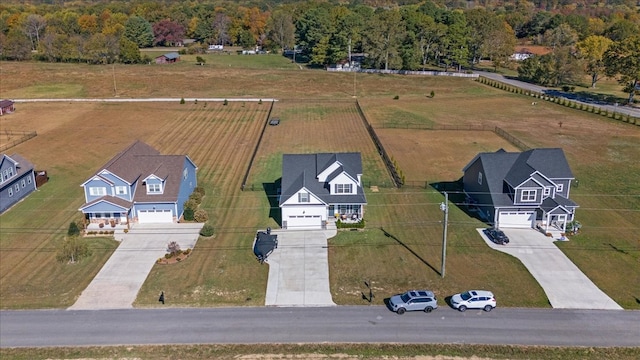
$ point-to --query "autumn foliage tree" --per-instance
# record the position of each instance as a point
(167, 33)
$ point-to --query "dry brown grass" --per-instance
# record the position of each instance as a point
(74, 139)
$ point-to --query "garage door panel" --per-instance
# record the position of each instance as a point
(516, 219)
(304, 222)
(155, 216)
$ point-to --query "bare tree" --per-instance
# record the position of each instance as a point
(220, 27)
(34, 25)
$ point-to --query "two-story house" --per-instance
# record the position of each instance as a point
(139, 185)
(319, 187)
(17, 180)
(523, 190)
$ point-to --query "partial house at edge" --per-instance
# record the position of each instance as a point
(521, 189)
(317, 188)
(17, 180)
(139, 185)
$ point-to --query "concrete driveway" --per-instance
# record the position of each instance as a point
(566, 286)
(117, 284)
(299, 269)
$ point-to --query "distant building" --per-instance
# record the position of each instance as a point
(7, 107)
(168, 58)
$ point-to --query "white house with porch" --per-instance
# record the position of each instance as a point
(317, 188)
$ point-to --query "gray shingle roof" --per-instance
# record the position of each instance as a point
(550, 162)
(515, 168)
(301, 170)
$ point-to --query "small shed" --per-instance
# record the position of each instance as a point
(7, 107)
(168, 58)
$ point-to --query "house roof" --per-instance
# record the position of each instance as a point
(549, 162)
(301, 171)
(532, 49)
(5, 103)
(22, 165)
(170, 56)
(139, 161)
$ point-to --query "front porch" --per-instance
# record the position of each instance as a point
(346, 213)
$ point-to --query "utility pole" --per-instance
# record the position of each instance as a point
(445, 208)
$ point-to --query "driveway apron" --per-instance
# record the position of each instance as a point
(299, 269)
(566, 286)
(117, 284)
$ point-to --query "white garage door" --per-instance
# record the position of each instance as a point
(155, 216)
(304, 222)
(516, 219)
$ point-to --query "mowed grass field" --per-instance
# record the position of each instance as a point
(75, 139)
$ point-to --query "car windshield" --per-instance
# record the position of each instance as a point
(405, 297)
(465, 296)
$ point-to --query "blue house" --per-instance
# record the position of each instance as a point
(521, 189)
(139, 185)
(17, 180)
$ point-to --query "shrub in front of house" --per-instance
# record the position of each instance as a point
(188, 214)
(199, 190)
(197, 197)
(350, 225)
(201, 216)
(207, 230)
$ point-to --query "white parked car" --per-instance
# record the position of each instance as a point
(474, 299)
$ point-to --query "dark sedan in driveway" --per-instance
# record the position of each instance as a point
(497, 236)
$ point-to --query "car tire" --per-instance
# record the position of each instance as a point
(488, 308)
(428, 309)
(401, 311)
(462, 308)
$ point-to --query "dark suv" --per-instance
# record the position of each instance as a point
(414, 300)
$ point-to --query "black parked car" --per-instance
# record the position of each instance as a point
(497, 236)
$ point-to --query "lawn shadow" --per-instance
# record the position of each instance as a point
(457, 197)
(272, 190)
(387, 234)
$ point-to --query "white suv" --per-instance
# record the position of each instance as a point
(474, 299)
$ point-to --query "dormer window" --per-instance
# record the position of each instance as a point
(528, 195)
(559, 188)
(343, 188)
(547, 191)
(154, 189)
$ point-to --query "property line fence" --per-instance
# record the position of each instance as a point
(255, 150)
(404, 72)
(590, 108)
(383, 153)
(512, 139)
(498, 131)
(22, 137)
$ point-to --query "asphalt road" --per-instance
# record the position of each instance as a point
(341, 324)
(627, 110)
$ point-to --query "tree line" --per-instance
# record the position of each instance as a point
(593, 37)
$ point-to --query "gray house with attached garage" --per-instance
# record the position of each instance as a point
(521, 189)
(317, 188)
